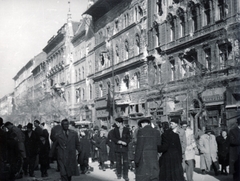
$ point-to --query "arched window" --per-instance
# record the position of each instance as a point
(170, 21)
(180, 14)
(117, 53)
(100, 90)
(90, 91)
(126, 50)
(137, 44)
(83, 94)
(79, 72)
(83, 72)
(137, 80)
(117, 84)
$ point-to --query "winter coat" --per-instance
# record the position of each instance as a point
(208, 149)
(125, 137)
(170, 161)
(66, 152)
(234, 136)
(223, 150)
(44, 149)
(85, 150)
(55, 131)
(131, 150)
(190, 145)
(31, 144)
(102, 147)
(146, 155)
(111, 144)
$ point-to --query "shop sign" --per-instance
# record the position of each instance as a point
(213, 98)
(101, 103)
(102, 113)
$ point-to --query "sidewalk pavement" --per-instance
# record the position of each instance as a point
(109, 175)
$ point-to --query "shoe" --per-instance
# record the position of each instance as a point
(32, 175)
(126, 178)
(203, 172)
(118, 176)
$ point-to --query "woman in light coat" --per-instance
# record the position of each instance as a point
(208, 149)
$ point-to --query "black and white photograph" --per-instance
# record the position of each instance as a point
(120, 90)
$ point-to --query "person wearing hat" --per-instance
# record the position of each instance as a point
(31, 145)
(191, 146)
(121, 137)
(146, 154)
(208, 148)
(234, 165)
(174, 124)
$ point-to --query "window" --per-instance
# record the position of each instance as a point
(100, 90)
(77, 95)
(116, 26)
(79, 72)
(126, 49)
(102, 59)
(83, 94)
(76, 75)
(170, 21)
(83, 72)
(221, 9)
(90, 66)
(137, 44)
(117, 54)
(117, 85)
(173, 68)
(90, 91)
(159, 7)
(126, 81)
(180, 14)
(206, 13)
(137, 80)
(207, 57)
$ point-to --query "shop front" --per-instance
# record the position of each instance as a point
(214, 100)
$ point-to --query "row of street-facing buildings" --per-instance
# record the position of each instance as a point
(135, 58)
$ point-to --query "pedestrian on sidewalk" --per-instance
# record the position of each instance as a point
(111, 145)
(170, 161)
(121, 137)
(191, 148)
(44, 149)
(85, 154)
(234, 135)
(223, 143)
(67, 143)
(208, 149)
(146, 153)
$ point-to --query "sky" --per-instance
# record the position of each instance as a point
(25, 28)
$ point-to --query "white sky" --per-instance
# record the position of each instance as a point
(25, 28)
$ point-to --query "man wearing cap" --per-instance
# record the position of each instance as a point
(31, 145)
(146, 154)
(234, 165)
(121, 137)
(208, 148)
(174, 124)
(190, 150)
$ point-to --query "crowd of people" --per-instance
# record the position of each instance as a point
(154, 152)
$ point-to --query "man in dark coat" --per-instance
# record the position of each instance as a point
(67, 143)
(31, 145)
(234, 136)
(170, 161)
(111, 144)
(146, 154)
(121, 137)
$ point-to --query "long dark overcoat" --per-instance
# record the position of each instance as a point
(102, 146)
(31, 144)
(66, 152)
(223, 150)
(234, 136)
(146, 154)
(170, 161)
(111, 144)
(85, 150)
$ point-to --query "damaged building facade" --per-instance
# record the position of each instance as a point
(154, 58)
